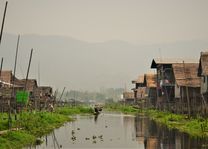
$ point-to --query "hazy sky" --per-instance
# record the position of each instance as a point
(179, 28)
(135, 21)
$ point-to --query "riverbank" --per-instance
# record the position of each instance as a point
(35, 124)
(195, 127)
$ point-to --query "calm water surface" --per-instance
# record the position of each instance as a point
(118, 131)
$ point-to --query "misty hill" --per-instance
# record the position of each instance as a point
(76, 64)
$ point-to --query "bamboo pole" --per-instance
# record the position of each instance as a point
(2, 26)
(13, 78)
(62, 93)
(2, 61)
(28, 69)
(13, 82)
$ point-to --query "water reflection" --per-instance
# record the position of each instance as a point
(118, 131)
(96, 117)
(156, 136)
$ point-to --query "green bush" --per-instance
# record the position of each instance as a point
(16, 140)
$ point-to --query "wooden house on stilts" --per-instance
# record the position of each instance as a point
(187, 88)
(139, 90)
(150, 82)
(168, 84)
(203, 73)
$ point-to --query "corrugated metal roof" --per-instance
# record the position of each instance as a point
(186, 74)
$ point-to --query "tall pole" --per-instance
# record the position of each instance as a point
(15, 62)
(2, 26)
(13, 78)
(39, 73)
(62, 93)
(28, 69)
(2, 61)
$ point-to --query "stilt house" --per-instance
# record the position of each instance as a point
(166, 81)
(150, 82)
(139, 90)
(187, 88)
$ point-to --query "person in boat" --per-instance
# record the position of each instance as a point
(97, 109)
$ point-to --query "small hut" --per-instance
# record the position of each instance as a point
(30, 87)
(187, 88)
(139, 90)
(150, 82)
(128, 97)
(45, 94)
(6, 76)
(7, 95)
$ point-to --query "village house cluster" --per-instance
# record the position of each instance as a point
(178, 86)
(17, 94)
(39, 97)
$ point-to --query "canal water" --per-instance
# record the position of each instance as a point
(110, 130)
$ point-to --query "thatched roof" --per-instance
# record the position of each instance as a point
(45, 89)
(158, 61)
(203, 64)
(6, 76)
(6, 84)
(128, 95)
(140, 79)
(31, 83)
(150, 80)
(186, 74)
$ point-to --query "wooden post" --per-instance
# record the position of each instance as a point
(39, 73)
(2, 61)
(157, 92)
(62, 93)
(187, 92)
(2, 26)
(28, 69)
(188, 100)
(13, 78)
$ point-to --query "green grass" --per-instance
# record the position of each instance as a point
(15, 140)
(122, 108)
(34, 125)
(40, 123)
(196, 127)
(74, 110)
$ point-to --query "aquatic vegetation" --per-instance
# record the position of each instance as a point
(127, 109)
(41, 123)
(196, 127)
(74, 110)
(15, 140)
(34, 125)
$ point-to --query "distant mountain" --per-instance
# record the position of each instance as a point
(76, 64)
